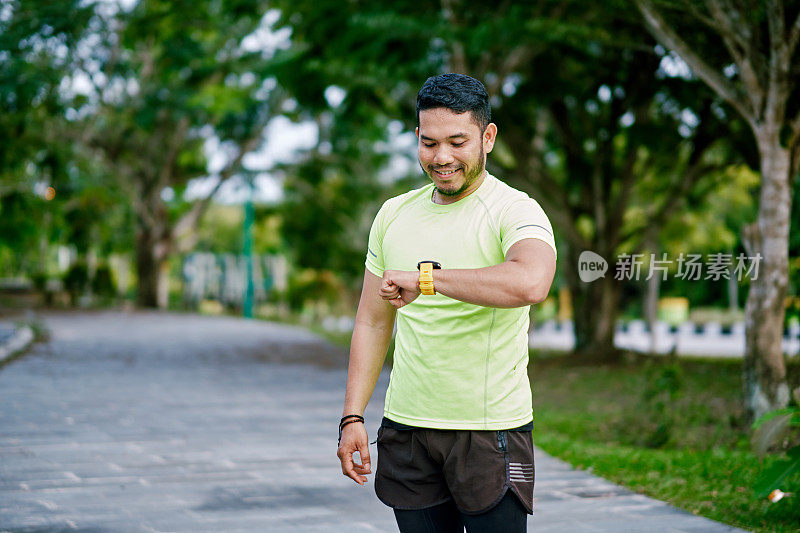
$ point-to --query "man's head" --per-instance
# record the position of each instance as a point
(458, 93)
(454, 134)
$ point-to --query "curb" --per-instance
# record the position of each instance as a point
(18, 342)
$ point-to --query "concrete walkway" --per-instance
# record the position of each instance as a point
(168, 422)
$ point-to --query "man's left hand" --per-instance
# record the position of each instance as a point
(399, 287)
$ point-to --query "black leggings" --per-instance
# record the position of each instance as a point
(508, 516)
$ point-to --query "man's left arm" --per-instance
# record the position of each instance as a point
(524, 278)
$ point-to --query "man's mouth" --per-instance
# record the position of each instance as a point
(444, 173)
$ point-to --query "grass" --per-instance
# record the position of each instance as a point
(673, 430)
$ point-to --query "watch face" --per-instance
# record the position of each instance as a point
(435, 264)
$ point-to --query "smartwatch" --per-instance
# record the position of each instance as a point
(426, 276)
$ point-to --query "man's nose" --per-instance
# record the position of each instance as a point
(442, 156)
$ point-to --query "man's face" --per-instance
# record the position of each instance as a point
(452, 150)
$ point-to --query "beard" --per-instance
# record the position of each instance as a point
(472, 172)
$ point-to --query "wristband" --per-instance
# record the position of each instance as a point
(345, 421)
(361, 418)
(426, 276)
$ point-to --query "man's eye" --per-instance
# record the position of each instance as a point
(459, 144)
(428, 145)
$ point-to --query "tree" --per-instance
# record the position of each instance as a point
(604, 145)
(332, 193)
(37, 41)
(174, 76)
(746, 52)
(37, 45)
(581, 111)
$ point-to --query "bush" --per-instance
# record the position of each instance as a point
(76, 281)
(39, 280)
(103, 285)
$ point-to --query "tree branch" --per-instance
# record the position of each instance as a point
(560, 116)
(794, 145)
(459, 59)
(530, 173)
(626, 186)
(667, 36)
(735, 34)
(794, 36)
(678, 192)
(560, 217)
(779, 65)
(727, 20)
(189, 220)
(168, 162)
(516, 57)
(699, 15)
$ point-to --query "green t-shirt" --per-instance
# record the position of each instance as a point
(457, 365)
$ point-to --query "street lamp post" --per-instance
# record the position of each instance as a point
(247, 306)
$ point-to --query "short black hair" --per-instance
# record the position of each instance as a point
(458, 93)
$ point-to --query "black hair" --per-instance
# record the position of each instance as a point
(458, 93)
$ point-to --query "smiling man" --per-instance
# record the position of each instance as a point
(457, 263)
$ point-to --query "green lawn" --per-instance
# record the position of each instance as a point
(671, 430)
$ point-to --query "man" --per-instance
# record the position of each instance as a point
(457, 262)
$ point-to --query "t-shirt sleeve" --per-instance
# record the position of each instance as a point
(374, 261)
(524, 218)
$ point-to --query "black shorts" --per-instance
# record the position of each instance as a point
(422, 467)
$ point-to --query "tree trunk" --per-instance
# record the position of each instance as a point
(651, 308)
(148, 268)
(764, 378)
(594, 312)
(733, 291)
(151, 247)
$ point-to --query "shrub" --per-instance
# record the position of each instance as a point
(103, 284)
(76, 281)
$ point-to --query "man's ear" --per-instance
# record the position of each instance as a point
(416, 131)
(489, 136)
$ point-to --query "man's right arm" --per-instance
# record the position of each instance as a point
(371, 336)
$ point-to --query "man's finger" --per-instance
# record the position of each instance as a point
(388, 287)
(348, 469)
(363, 451)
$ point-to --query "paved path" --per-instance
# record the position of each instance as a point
(167, 422)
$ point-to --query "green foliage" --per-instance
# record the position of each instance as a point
(779, 474)
(172, 78)
(711, 483)
(19, 231)
(39, 280)
(309, 286)
(37, 40)
(221, 230)
(39, 45)
(591, 416)
(102, 283)
(589, 124)
(664, 386)
(776, 429)
(76, 281)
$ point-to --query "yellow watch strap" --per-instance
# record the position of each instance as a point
(426, 279)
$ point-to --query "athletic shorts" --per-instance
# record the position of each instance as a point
(422, 467)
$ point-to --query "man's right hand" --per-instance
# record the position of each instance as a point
(354, 439)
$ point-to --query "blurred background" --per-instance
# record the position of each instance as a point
(229, 157)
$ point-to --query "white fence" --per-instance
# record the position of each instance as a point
(708, 340)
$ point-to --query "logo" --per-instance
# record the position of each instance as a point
(591, 266)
